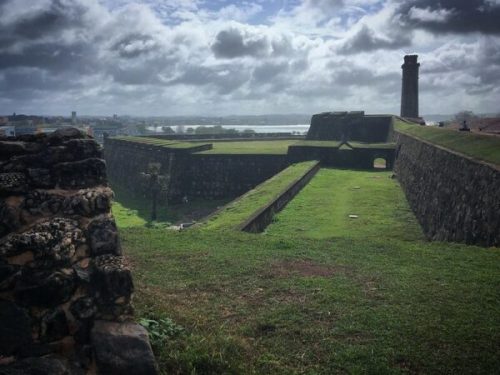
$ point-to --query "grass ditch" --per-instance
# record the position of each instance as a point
(235, 213)
(323, 208)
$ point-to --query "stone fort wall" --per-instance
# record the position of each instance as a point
(65, 288)
(454, 197)
(210, 176)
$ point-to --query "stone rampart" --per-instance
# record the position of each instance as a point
(454, 197)
(63, 279)
(210, 176)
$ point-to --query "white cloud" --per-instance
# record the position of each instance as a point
(429, 15)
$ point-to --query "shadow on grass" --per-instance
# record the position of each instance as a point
(131, 210)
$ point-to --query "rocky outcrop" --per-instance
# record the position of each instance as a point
(61, 264)
(453, 197)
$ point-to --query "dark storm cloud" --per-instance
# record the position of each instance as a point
(366, 40)
(52, 56)
(451, 16)
(232, 43)
(39, 23)
(58, 16)
(224, 78)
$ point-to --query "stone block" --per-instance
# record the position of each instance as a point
(15, 328)
(80, 174)
(44, 288)
(13, 182)
(122, 348)
(103, 237)
(54, 325)
(112, 285)
(48, 365)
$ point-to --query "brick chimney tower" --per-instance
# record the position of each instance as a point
(409, 92)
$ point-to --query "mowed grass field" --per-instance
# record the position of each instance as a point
(317, 293)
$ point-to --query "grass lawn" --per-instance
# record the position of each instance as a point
(279, 147)
(322, 208)
(481, 147)
(369, 298)
(165, 143)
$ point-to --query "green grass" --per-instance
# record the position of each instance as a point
(375, 298)
(242, 208)
(165, 143)
(260, 304)
(279, 147)
(477, 146)
(322, 208)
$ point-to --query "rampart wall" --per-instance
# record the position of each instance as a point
(454, 197)
(358, 158)
(65, 289)
(210, 176)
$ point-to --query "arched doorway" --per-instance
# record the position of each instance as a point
(379, 163)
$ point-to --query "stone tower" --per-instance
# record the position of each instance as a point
(409, 92)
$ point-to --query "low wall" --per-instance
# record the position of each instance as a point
(454, 197)
(232, 137)
(357, 158)
(262, 218)
(209, 176)
(65, 290)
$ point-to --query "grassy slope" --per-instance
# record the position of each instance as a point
(323, 207)
(478, 146)
(289, 304)
(239, 210)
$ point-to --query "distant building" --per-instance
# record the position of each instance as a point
(7, 131)
(73, 117)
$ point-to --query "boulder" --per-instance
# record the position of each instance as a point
(122, 348)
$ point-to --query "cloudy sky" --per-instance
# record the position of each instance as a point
(219, 57)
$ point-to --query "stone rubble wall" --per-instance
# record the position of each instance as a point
(61, 264)
(453, 197)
